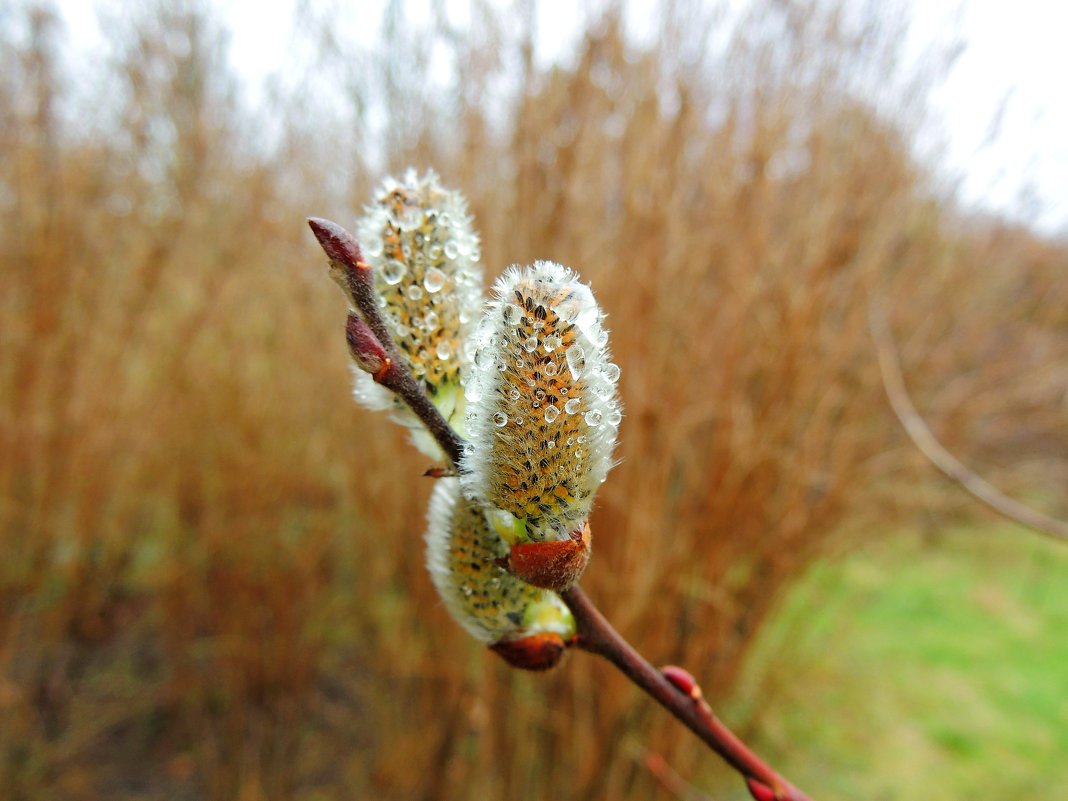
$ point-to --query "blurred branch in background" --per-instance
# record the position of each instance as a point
(194, 600)
(942, 459)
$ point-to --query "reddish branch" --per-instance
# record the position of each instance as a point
(374, 350)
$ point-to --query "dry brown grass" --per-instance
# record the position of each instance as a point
(212, 583)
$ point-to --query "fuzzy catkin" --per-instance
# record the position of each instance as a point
(543, 408)
(491, 605)
(419, 240)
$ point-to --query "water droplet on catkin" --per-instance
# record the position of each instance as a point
(500, 419)
(393, 272)
(434, 280)
(576, 360)
(551, 413)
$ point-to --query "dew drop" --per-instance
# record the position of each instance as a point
(513, 392)
(414, 292)
(473, 391)
(552, 342)
(551, 413)
(593, 418)
(443, 350)
(611, 372)
(550, 369)
(572, 405)
(434, 280)
(500, 419)
(401, 330)
(539, 394)
(393, 271)
(530, 344)
(512, 314)
(372, 246)
(434, 253)
(451, 251)
(614, 417)
(431, 320)
(576, 360)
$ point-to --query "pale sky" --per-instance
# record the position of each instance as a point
(1003, 109)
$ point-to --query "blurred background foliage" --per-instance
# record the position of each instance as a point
(212, 583)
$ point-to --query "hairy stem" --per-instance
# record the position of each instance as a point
(595, 634)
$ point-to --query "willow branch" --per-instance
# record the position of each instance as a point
(356, 278)
(930, 447)
(675, 690)
(684, 701)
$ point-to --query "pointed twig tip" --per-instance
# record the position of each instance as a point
(339, 244)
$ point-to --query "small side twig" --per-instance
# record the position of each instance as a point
(355, 275)
(597, 635)
(377, 353)
(930, 447)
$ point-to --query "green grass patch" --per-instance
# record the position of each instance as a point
(920, 668)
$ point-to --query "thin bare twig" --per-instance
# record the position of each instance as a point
(594, 633)
(929, 446)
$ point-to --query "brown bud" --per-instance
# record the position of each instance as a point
(365, 348)
(339, 244)
(536, 652)
(553, 565)
(347, 265)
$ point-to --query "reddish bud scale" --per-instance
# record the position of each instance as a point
(554, 565)
(760, 791)
(683, 680)
(536, 652)
(338, 244)
(365, 348)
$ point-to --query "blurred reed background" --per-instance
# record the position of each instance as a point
(212, 581)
